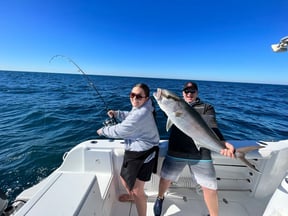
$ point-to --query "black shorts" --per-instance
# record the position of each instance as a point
(133, 168)
(145, 171)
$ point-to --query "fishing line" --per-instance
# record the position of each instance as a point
(107, 122)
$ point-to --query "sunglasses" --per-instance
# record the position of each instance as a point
(192, 91)
(138, 96)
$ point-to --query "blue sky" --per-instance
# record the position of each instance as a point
(185, 39)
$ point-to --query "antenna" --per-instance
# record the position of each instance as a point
(282, 46)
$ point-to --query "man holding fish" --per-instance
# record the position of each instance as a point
(186, 143)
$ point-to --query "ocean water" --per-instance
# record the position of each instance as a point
(43, 115)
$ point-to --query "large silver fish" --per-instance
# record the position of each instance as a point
(190, 122)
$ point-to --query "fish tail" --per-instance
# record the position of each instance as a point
(241, 152)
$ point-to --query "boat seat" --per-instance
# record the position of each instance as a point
(99, 162)
(65, 193)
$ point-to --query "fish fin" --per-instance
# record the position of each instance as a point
(241, 152)
(178, 113)
(197, 145)
(169, 124)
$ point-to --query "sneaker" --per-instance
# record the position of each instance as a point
(158, 206)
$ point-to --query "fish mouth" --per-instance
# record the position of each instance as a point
(157, 94)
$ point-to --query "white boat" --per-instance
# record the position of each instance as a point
(87, 183)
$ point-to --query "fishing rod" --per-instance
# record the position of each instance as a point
(107, 122)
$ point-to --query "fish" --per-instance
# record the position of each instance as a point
(190, 122)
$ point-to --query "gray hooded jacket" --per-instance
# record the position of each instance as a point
(137, 127)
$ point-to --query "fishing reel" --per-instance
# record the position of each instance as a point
(110, 122)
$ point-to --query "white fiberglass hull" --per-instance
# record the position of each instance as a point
(87, 183)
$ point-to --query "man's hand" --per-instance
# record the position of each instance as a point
(228, 151)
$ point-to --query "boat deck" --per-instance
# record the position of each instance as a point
(188, 202)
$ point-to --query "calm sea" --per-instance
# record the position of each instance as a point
(43, 115)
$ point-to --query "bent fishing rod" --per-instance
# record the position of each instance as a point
(107, 122)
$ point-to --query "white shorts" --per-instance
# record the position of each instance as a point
(202, 170)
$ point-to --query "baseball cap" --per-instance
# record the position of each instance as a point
(190, 85)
